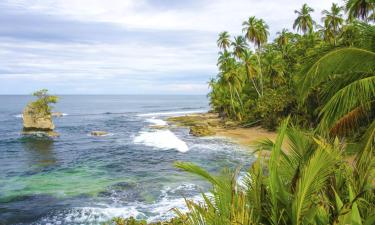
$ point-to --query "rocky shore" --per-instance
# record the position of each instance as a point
(210, 124)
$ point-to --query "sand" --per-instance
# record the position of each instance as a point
(246, 137)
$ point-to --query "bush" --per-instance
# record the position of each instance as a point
(274, 106)
(42, 104)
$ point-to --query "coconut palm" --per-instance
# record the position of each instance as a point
(283, 38)
(274, 66)
(232, 78)
(239, 46)
(223, 42)
(307, 182)
(360, 9)
(326, 33)
(225, 60)
(304, 21)
(333, 21)
(349, 93)
(256, 31)
(250, 63)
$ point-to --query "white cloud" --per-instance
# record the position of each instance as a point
(209, 15)
(142, 63)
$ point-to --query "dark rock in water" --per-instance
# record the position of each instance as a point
(201, 130)
(158, 127)
(99, 133)
(41, 133)
(37, 122)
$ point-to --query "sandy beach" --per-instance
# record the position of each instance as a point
(243, 136)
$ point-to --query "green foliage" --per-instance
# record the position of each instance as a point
(309, 182)
(133, 221)
(274, 106)
(44, 101)
(261, 87)
(325, 81)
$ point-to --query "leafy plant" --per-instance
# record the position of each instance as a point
(309, 182)
(43, 104)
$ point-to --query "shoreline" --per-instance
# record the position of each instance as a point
(242, 136)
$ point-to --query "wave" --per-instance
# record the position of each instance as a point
(18, 116)
(171, 113)
(162, 139)
(153, 212)
(157, 122)
(21, 116)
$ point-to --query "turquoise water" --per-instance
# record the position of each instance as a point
(80, 179)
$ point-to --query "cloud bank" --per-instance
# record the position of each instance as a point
(123, 46)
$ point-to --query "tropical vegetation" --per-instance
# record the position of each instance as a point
(317, 88)
(44, 101)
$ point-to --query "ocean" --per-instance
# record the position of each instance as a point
(81, 179)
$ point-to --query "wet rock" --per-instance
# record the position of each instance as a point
(41, 133)
(214, 123)
(159, 127)
(98, 133)
(230, 124)
(201, 130)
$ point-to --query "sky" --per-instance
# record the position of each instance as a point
(124, 46)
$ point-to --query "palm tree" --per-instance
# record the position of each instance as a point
(239, 46)
(349, 89)
(307, 182)
(304, 21)
(225, 60)
(232, 78)
(360, 9)
(283, 38)
(256, 31)
(333, 20)
(223, 42)
(274, 66)
(250, 63)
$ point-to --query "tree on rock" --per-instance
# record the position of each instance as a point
(44, 101)
(37, 115)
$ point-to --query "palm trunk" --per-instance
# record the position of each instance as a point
(239, 99)
(231, 99)
(252, 80)
(261, 74)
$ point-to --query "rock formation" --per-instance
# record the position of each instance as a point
(201, 130)
(99, 133)
(35, 120)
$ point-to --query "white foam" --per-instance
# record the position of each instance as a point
(171, 113)
(21, 116)
(92, 215)
(159, 210)
(18, 116)
(157, 122)
(162, 139)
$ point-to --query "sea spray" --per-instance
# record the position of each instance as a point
(161, 139)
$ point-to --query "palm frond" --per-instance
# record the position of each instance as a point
(336, 62)
(314, 176)
(357, 94)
